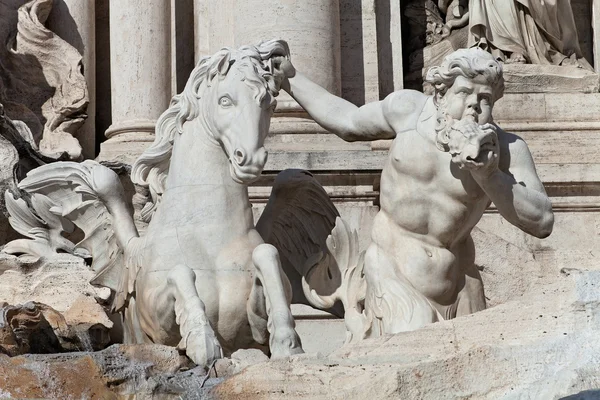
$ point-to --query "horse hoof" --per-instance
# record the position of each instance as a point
(203, 348)
(285, 344)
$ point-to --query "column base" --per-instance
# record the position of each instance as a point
(127, 141)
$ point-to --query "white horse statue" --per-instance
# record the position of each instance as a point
(201, 277)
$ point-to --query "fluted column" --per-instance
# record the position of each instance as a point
(311, 28)
(140, 63)
(75, 22)
(213, 26)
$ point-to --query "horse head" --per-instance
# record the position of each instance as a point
(239, 100)
(231, 95)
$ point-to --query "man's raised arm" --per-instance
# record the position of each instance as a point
(351, 123)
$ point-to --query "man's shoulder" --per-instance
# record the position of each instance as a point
(404, 105)
(513, 149)
(510, 140)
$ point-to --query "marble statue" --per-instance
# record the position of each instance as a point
(526, 31)
(447, 163)
(456, 12)
(201, 277)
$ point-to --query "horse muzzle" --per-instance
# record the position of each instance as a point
(245, 168)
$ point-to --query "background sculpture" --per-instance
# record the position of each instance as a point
(515, 32)
(41, 81)
(526, 31)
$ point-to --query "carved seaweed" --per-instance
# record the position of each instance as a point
(64, 196)
(318, 251)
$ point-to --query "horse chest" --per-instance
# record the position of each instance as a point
(195, 227)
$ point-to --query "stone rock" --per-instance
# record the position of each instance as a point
(142, 371)
(31, 328)
(239, 360)
(88, 321)
(61, 284)
(57, 282)
(36, 328)
(121, 371)
(541, 346)
(508, 271)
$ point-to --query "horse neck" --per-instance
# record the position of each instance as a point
(199, 176)
(197, 159)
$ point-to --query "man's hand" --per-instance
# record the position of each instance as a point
(489, 153)
(282, 71)
(474, 147)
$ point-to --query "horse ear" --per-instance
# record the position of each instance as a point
(223, 65)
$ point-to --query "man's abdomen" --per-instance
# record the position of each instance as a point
(429, 268)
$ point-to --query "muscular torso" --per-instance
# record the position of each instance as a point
(428, 208)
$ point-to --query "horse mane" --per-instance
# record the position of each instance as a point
(152, 167)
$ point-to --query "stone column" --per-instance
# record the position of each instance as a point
(213, 26)
(201, 29)
(140, 61)
(596, 33)
(311, 28)
(75, 22)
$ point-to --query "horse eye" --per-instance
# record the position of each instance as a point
(225, 102)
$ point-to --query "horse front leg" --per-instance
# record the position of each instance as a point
(174, 309)
(271, 281)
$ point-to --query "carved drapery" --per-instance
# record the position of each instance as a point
(41, 82)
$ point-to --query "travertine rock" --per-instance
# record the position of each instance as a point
(542, 346)
(36, 328)
(32, 328)
(57, 282)
(145, 371)
(88, 322)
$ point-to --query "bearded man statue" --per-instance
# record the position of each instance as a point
(448, 161)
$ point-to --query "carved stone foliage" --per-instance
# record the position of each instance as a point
(41, 82)
(18, 155)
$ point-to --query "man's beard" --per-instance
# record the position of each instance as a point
(443, 125)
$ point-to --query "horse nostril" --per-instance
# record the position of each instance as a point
(239, 157)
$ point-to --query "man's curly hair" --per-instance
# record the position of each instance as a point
(469, 63)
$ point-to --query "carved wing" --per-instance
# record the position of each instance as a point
(297, 220)
(65, 195)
